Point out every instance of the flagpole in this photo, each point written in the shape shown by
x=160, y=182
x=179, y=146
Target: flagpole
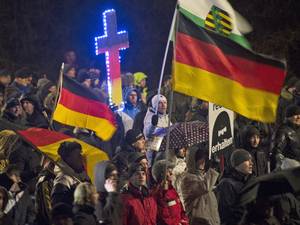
x=58, y=90
x=171, y=98
x=169, y=123
x=166, y=54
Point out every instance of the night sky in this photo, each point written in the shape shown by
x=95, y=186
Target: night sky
x=35, y=33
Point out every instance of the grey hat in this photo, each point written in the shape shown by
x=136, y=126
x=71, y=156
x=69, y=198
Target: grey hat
x=159, y=169
x=239, y=156
x=135, y=167
x=136, y=157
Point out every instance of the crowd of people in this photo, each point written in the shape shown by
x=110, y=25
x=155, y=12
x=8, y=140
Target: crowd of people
x=137, y=185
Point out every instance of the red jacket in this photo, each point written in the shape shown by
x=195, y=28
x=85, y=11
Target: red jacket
x=170, y=209
x=139, y=207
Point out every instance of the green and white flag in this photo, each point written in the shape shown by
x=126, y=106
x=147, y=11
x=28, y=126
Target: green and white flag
x=218, y=16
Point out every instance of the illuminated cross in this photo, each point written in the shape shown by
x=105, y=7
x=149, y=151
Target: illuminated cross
x=110, y=43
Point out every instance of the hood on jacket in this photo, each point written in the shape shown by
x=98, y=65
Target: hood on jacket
x=41, y=82
x=43, y=89
x=127, y=92
x=192, y=153
x=34, y=101
x=63, y=168
x=155, y=100
x=127, y=80
x=138, y=77
x=100, y=172
x=248, y=132
x=159, y=169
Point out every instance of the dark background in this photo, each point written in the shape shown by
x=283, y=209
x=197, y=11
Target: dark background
x=36, y=33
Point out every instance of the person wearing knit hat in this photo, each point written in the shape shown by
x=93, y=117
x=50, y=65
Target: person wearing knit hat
x=287, y=138
x=13, y=102
x=135, y=141
x=230, y=186
x=22, y=81
x=289, y=94
x=139, y=206
x=241, y=160
x=13, y=111
x=138, y=157
x=292, y=113
x=134, y=170
x=170, y=209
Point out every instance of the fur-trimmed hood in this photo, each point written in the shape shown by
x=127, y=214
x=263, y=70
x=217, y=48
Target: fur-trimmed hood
x=159, y=169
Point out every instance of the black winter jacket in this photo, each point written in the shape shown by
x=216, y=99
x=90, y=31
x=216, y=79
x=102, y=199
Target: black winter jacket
x=287, y=141
x=228, y=193
x=84, y=215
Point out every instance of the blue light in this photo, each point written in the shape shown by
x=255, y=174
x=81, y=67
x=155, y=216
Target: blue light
x=106, y=42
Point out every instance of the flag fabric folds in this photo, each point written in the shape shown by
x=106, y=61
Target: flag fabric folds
x=48, y=142
x=210, y=66
x=78, y=106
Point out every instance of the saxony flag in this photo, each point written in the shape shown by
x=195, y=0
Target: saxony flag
x=209, y=65
x=217, y=15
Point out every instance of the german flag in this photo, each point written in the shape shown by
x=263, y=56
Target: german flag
x=211, y=67
x=78, y=106
x=48, y=142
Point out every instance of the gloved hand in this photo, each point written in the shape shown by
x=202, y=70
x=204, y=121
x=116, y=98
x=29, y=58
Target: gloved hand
x=113, y=107
x=154, y=120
